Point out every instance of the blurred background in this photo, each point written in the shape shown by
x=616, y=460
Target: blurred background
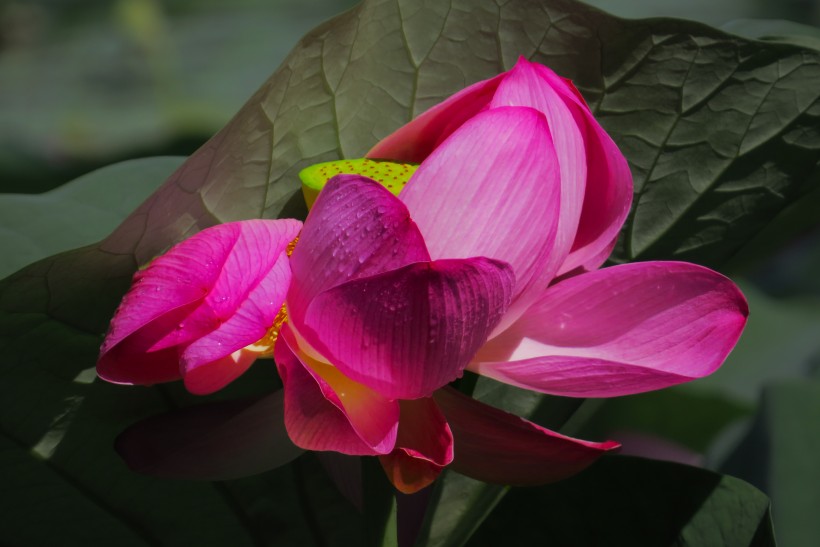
x=86, y=83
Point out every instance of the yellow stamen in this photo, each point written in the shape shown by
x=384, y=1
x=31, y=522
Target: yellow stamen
x=292, y=245
x=264, y=347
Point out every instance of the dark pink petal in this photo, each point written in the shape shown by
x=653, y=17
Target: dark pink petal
x=492, y=189
x=494, y=446
x=621, y=330
x=326, y=411
x=356, y=228
x=214, y=441
x=414, y=141
x=423, y=448
x=524, y=86
x=131, y=360
x=608, y=193
x=193, y=289
x=407, y=332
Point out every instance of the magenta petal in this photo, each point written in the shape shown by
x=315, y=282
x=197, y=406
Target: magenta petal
x=496, y=187
x=524, y=86
x=414, y=141
x=494, y=446
x=207, y=363
x=190, y=291
x=424, y=446
x=608, y=193
x=214, y=441
x=326, y=411
x=621, y=330
x=407, y=332
x=355, y=229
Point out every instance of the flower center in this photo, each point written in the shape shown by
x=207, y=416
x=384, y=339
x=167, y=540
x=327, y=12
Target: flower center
x=391, y=175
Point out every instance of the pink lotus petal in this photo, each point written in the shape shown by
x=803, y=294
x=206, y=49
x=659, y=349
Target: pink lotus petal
x=407, y=332
x=621, y=330
x=193, y=289
x=608, y=193
x=423, y=448
x=214, y=441
x=524, y=86
x=131, y=359
x=414, y=141
x=211, y=376
x=210, y=358
x=326, y=411
x=496, y=185
x=356, y=228
x=494, y=446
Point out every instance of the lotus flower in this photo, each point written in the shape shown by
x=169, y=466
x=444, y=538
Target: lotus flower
x=485, y=261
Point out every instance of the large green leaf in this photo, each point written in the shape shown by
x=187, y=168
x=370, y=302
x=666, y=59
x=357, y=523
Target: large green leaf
x=721, y=134
x=630, y=501
x=779, y=456
x=775, y=30
x=35, y=226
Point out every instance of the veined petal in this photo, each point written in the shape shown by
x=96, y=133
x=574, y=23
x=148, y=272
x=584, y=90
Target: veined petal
x=424, y=446
x=407, y=332
x=608, y=193
x=132, y=359
x=497, y=187
x=214, y=441
x=414, y=141
x=356, y=228
x=193, y=289
x=211, y=375
x=494, y=446
x=524, y=86
x=324, y=410
x=211, y=362
x=621, y=330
